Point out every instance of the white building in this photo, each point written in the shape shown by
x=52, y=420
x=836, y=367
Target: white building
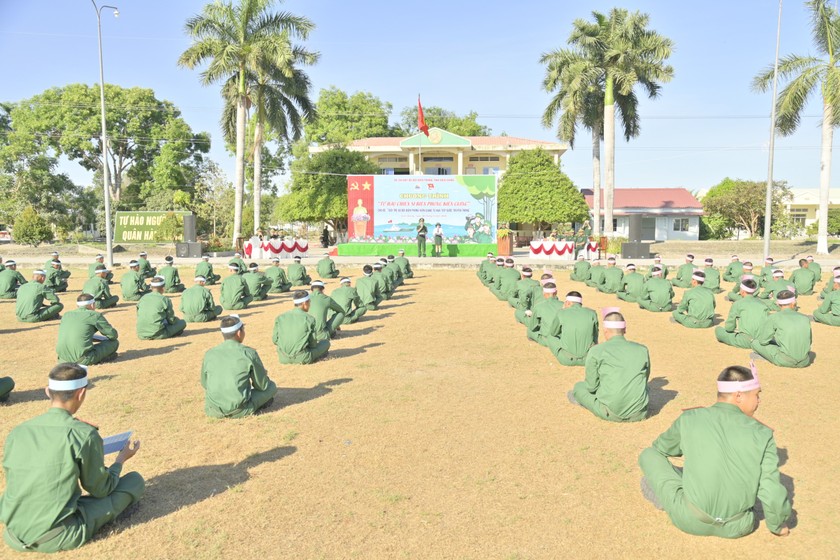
x=666, y=213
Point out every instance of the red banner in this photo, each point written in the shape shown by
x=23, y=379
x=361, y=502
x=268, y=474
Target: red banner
x=360, y=206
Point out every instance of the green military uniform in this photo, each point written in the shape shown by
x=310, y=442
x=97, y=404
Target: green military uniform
x=156, y=318
x=30, y=307
x=543, y=312
x=393, y=274
x=684, y=273
x=730, y=460
x=56, y=281
x=368, y=290
x=295, y=337
x=507, y=280
x=383, y=284
x=327, y=313
x=766, y=274
x=772, y=288
x=243, y=268
x=133, y=287
x=735, y=293
x=98, y=288
x=527, y=297
x=235, y=293
x=616, y=383
x=745, y=320
x=395, y=271
x=733, y=272
x=92, y=271
x=697, y=308
x=612, y=281
x=596, y=276
x=712, y=281
x=405, y=267
x=258, y=285
x=279, y=283
x=493, y=275
x=829, y=312
x=571, y=333
x=75, y=338
x=63, y=274
x=803, y=280
x=785, y=339
x=235, y=381
x=297, y=275
x=816, y=269
x=146, y=269
x=657, y=295
x=326, y=268
x=198, y=306
x=172, y=280
x=205, y=268
x=45, y=460
x=827, y=289
x=664, y=268
x=484, y=269
x=6, y=386
x=10, y=281
x=581, y=271
x=632, y=287
x=351, y=304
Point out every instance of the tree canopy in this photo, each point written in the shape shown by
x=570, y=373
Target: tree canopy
x=535, y=190
x=342, y=118
x=741, y=203
x=442, y=118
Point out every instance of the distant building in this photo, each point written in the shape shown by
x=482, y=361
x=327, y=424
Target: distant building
x=804, y=204
x=444, y=153
x=666, y=214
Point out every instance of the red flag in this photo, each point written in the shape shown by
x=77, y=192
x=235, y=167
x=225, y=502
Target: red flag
x=421, y=120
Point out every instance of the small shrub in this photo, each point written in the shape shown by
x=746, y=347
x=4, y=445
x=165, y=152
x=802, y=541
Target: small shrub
x=31, y=229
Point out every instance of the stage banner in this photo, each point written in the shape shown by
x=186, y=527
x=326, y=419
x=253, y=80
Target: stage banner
x=140, y=227
x=387, y=208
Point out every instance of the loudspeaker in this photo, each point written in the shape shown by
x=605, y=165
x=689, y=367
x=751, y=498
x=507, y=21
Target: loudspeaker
x=189, y=228
x=635, y=250
x=634, y=228
x=188, y=250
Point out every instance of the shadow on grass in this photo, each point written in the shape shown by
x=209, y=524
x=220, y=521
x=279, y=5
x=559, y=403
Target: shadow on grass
x=360, y=332
x=145, y=352
x=789, y=485
x=287, y=396
x=347, y=352
x=658, y=396
x=31, y=395
x=392, y=305
x=172, y=491
x=372, y=317
x=190, y=331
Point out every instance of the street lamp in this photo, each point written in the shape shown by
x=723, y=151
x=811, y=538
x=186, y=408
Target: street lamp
x=768, y=201
x=105, y=179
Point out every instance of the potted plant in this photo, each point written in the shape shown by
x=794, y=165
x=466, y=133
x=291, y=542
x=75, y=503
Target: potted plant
x=505, y=242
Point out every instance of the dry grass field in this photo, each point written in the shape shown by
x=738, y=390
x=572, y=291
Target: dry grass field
x=433, y=430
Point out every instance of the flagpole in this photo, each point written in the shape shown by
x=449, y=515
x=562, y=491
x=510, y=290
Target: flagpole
x=420, y=145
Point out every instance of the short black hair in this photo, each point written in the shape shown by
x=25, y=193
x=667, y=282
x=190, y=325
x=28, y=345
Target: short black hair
x=614, y=316
x=229, y=321
x=574, y=294
x=734, y=373
x=526, y=269
x=549, y=285
x=299, y=294
x=546, y=275
x=785, y=294
x=803, y=262
x=84, y=297
x=367, y=269
x=66, y=372
x=750, y=284
x=701, y=276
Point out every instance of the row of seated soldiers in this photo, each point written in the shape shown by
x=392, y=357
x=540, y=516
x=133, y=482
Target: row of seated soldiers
x=53, y=517
x=717, y=439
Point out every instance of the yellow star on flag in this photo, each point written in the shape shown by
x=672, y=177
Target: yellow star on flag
x=366, y=186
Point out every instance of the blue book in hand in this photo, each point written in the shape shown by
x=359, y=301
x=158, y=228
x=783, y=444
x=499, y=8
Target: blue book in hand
x=113, y=444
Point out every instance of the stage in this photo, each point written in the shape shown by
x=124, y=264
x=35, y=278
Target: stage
x=385, y=249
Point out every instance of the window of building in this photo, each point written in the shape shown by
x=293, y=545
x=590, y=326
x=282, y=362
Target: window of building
x=484, y=158
x=615, y=224
x=438, y=158
x=389, y=159
x=798, y=216
x=680, y=224
x=438, y=171
x=490, y=170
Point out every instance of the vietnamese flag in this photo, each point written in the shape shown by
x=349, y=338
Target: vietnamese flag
x=421, y=120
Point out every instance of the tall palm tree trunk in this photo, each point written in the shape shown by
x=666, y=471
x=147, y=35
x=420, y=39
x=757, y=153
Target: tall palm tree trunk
x=609, y=156
x=825, y=178
x=258, y=142
x=596, y=182
x=239, y=180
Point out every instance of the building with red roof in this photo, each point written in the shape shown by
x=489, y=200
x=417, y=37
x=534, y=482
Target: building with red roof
x=672, y=213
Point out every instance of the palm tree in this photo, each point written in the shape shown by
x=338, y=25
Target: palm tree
x=806, y=73
x=234, y=40
x=626, y=53
x=580, y=99
x=280, y=99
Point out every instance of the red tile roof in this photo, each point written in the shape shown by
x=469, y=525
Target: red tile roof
x=648, y=198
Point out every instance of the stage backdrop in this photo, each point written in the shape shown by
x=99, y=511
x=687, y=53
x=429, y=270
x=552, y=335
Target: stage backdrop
x=383, y=212
x=140, y=226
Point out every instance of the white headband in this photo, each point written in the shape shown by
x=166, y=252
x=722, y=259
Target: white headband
x=158, y=283
x=574, y=299
x=656, y=272
x=69, y=385
x=740, y=386
x=233, y=328
x=316, y=284
x=101, y=270
x=344, y=281
x=581, y=257
x=549, y=290
x=631, y=267
x=528, y=274
x=689, y=258
x=233, y=266
x=200, y=279
x=38, y=272
x=615, y=324
x=748, y=289
x=304, y=299
x=698, y=278
x=85, y=303
x=787, y=301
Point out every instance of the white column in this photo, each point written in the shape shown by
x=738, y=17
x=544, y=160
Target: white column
x=460, y=163
x=411, y=163
x=556, y=159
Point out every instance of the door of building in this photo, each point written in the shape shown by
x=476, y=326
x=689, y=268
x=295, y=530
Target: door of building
x=648, y=229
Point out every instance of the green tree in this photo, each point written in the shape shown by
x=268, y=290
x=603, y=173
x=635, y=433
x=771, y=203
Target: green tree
x=318, y=190
x=342, y=118
x=171, y=228
x=534, y=190
x=807, y=74
x=715, y=226
x=742, y=202
x=31, y=229
x=149, y=145
x=441, y=118
x=576, y=78
x=834, y=221
x=235, y=40
x=625, y=53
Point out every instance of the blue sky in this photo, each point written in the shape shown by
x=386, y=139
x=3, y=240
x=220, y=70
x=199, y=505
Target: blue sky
x=461, y=55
